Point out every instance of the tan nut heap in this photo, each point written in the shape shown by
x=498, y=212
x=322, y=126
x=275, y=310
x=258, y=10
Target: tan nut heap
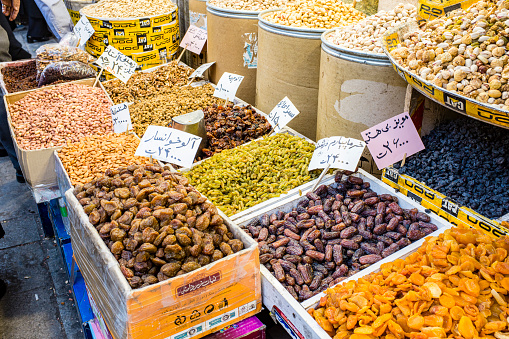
x=128, y=8
x=465, y=53
x=249, y=5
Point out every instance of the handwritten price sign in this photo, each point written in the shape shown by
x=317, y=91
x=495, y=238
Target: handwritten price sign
x=337, y=152
x=194, y=40
x=390, y=140
x=282, y=114
x=121, y=118
x=83, y=30
x=169, y=145
x=117, y=63
x=228, y=85
x=198, y=73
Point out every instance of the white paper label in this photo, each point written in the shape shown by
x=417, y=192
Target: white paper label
x=282, y=114
x=194, y=40
x=338, y=152
x=198, y=73
x=169, y=145
x=83, y=30
x=117, y=63
x=228, y=85
x=121, y=118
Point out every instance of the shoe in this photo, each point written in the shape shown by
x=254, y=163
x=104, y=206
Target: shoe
x=3, y=288
x=20, y=178
x=3, y=153
x=31, y=40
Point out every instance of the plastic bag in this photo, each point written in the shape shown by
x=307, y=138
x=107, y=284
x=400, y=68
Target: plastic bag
x=65, y=70
x=51, y=53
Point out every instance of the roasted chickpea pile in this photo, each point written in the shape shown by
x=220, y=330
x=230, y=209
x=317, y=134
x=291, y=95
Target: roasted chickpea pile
x=455, y=285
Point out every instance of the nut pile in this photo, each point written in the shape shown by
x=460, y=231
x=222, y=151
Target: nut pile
x=454, y=286
x=53, y=116
x=468, y=161
x=128, y=8
x=334, y=233
x=50, y=53
x=250, y=5
x=240, y=178
x=92, y=156
x=365, y=35
x=319, y=14
x=20, y=77
x=156, y=227
x=160, y=108
x=465, y=52
x=229, y=127
x=145, y=84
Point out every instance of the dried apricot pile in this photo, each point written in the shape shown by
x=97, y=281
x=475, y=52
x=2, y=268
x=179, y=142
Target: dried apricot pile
x=454, y=285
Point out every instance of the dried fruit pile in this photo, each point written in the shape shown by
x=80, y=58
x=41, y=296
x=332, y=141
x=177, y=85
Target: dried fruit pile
x=156, y=225
x=232, y=126
x=454, y=286
x=21, y=77
x=334, y=233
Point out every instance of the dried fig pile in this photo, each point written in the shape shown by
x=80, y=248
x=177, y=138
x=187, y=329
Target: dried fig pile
x=156, y=225
x=333, y=233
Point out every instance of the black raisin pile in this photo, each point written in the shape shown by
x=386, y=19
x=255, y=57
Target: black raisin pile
x=468, y=161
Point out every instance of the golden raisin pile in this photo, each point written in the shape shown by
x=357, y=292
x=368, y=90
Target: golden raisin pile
x=456, y=285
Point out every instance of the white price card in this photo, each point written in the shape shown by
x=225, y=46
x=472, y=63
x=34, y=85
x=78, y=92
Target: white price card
x=117, y=63
x=121, y=118
x=198, y=73
x=282, y=114
x=389, y=141
x=228, y=85
x=194, y=40
x=169, y=145
x=83, y=30
x=337, y=152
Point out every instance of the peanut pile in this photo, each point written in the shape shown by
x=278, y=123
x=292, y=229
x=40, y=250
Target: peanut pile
x=53, y=116
x=92, y=156
x=454, y=286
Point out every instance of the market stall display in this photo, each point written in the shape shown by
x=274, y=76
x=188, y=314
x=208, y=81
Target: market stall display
x=240, y=178
x=294, y=71
x=231, y=126
x=150, y=200
x=198, y=17
x=43, y=120
x=89, y=158
x=160, y=108
x=358, y=87
x=333, y=233
x=458, y=60
x=147, y=31
x=456, y=280
x=145, y=84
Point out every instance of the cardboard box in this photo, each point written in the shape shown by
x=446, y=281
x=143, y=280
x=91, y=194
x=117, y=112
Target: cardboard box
x=188, y=306
x=250, y=328
x=38, y=166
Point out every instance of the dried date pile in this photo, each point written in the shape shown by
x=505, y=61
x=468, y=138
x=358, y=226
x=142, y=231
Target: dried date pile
x=157, y=227
x=21, y=77
x=231, y=126
x=334, y=233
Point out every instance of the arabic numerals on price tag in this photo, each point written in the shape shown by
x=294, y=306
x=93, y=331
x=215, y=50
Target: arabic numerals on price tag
x=169, y=145
x=228, y=85
x=198, y=73
x=389, y=141
x=282, y=114
x=117, y=63
x=83, y=30
x=337, y=152
x=121, y=118
x=194, y=39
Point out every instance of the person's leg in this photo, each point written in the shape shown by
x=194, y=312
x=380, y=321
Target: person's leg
x=15, y=49
x=6, y=140
x=37, y=27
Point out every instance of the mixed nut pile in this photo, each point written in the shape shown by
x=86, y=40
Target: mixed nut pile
x=365, y=35
x=250, y=5
x=240, y=178
x=156, y=225
x=334, y=233
x=464, y=52
x=231, y=126
x=128, y=8
x=455, y=285
x=318, y=14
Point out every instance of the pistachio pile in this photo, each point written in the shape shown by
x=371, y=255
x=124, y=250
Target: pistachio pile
x=465, y=52
x=365, y=35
